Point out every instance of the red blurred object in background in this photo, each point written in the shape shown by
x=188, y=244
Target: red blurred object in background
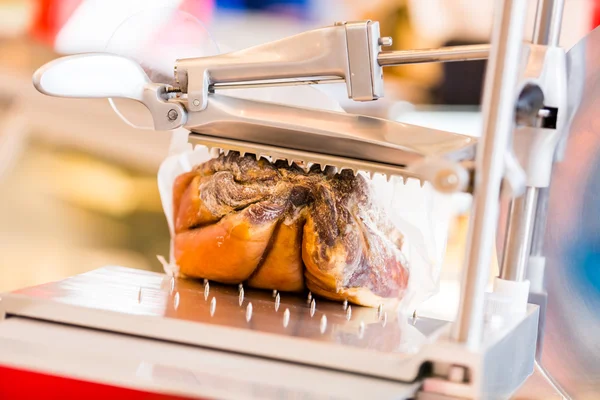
x=51, y=15
x=596, y=14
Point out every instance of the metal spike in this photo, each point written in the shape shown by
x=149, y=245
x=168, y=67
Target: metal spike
x=371, y=174
x=249, y=312
x=206, y=290
x=421, y=182
x=172, y=285
x=226, y=152
x=384, y=321
x=354, y=171
x=213, y=306
x=323, y=324
x=379, y=311
x=241, y=297
x=309, y=297
x=274, y=292
x=140, y=295
x=322, y=166
x=349, y=313
x=242, y=153
x=361, y=330
x=176, y=301
x=290, y=162
x=277, y=300
x=345, y=304
x=286, y=317
x=257, y=156
x=313, y=307
x=388, y=177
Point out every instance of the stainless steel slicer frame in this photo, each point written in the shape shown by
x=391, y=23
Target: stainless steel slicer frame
x=520, y=99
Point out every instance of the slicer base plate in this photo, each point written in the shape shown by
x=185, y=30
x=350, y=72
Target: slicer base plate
x=155, y=306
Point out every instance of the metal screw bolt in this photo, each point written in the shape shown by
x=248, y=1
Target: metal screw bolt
x=172, y=114
x=385, y=41
x=196, y=102
x=447, y=180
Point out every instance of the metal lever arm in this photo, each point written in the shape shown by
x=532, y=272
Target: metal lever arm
x=98, y=75
x=347, y=51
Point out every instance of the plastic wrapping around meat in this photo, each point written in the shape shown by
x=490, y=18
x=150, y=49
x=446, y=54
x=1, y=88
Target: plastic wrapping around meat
x=268, y=225
x=274, y=226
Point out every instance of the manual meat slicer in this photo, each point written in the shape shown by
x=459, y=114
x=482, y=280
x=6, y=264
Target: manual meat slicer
x=202, y=339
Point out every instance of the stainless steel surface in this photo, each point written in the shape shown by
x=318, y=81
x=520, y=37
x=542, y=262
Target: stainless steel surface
x=365, y=74
x=105, y=302
x=107, y=299
x=173, y=369
x=548, y=22
x=324, y=137
x=444, y=54
x=498, y=112
x=518, y=236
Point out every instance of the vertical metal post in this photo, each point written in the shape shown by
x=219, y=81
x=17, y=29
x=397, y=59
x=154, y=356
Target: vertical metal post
x=527, y=214
x=518, y=236
x=548, y=21
x=498, y=116
x=552, y=38
x=539, y=229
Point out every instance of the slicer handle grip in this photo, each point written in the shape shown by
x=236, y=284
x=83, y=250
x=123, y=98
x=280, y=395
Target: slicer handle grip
x=92, y=75
x=100, y=75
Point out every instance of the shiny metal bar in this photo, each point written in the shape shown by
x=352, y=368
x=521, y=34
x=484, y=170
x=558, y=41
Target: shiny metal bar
x=548, y=22
x=276, y=83
x=539, y=228
x=518, y=236
x=443, y=54
x=551, y=39
x=498, y=112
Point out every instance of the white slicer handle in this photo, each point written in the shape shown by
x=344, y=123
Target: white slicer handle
x=94, y=75
x=101, y=75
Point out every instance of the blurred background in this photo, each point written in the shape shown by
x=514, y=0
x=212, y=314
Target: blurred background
x=78, y=186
